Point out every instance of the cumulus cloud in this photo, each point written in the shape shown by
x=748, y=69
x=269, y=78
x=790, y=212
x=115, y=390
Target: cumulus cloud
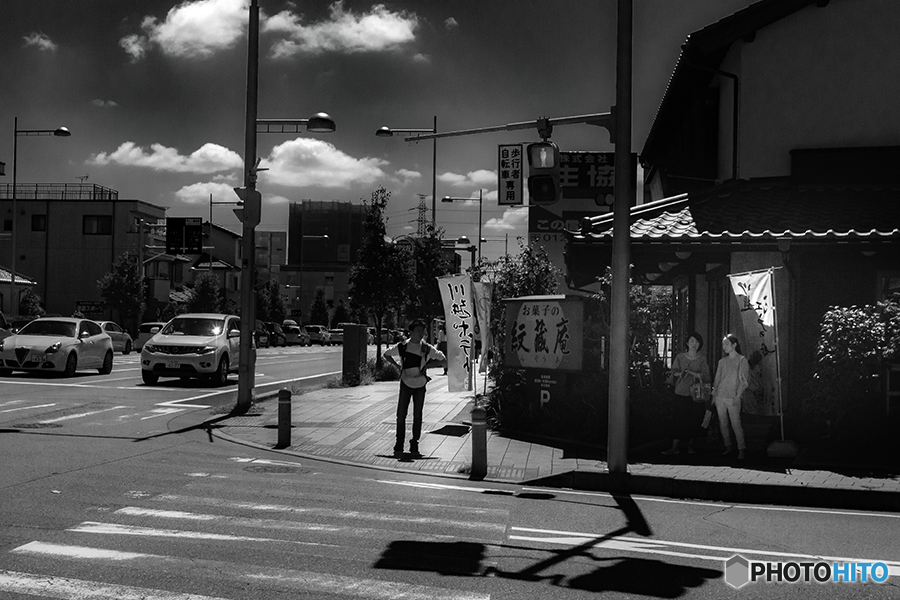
x=195, y=29
x=407, y=174
x=209, y=158
x=198, y=193
x=479, y=178
x=40, y=41
x=104, y=103
x=451, y=23
x=345, y=31
x=306, y=162
x=511, y=219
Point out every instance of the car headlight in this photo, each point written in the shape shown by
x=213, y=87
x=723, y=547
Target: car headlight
x=150, y=348
x=52, y=349
x=206, y=350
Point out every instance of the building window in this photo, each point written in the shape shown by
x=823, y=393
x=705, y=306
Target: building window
x=39, y=222
x=97, y=225
x=7, y=224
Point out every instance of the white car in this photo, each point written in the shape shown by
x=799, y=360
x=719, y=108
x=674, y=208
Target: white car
x=121, y=339
x=147, y=331
x=198, y=345
x=60, y=344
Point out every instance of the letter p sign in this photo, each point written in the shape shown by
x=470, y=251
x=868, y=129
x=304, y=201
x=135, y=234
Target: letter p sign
x=545, y=397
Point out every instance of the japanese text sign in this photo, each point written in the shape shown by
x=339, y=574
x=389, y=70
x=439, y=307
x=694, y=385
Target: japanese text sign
x=509, y=185
x=459, y=315
x=544, y=332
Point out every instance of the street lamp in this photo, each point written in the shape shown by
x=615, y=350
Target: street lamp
x=58, y=132
x=389, y=132
x=318, y=123
x=480, y=203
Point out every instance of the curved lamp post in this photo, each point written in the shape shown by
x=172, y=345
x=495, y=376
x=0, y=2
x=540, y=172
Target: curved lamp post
x=390, y=131
x=480, y=199
x=58, y=132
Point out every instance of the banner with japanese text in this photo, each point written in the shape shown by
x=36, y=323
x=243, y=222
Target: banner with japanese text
x=459, y=315
x=483, y=292
x=755, y=293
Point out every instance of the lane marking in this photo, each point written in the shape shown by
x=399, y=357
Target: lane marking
x=26, y=407
x=264, y=461
x=7, y=403
x=441, y=486
x=161, y=412
x=68, y=588
x=79, y=415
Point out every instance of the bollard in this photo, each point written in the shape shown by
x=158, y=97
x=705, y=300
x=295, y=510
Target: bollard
x=479, y=443
x=284, y=418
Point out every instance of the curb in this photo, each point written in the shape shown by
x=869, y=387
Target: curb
x=721, y=491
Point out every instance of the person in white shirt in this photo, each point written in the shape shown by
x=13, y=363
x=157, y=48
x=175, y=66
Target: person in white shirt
x=415, y=355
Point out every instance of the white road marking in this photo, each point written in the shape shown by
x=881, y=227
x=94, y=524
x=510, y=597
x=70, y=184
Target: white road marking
x=27, y=407
x=11, y=402
x=161, y=412
x=441, y=486
x=309, y=582
x=79, y=415
x=651, y=545
x=68, y=588
x=821, y=511
x=265, y=461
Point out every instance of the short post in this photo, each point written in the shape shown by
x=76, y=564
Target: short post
x=479, y=443
x=284, y=418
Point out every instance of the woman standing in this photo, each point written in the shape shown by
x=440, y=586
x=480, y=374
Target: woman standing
x=688, y=368
x=732, y=378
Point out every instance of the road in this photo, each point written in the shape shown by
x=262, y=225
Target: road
x=96, y=508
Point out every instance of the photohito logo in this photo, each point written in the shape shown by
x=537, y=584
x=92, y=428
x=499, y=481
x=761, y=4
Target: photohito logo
x=739, y=571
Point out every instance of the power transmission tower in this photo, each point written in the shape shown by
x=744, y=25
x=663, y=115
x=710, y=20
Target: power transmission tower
x=422, y=220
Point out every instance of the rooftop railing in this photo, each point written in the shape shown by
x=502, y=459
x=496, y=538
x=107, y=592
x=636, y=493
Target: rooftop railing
x=58, y=191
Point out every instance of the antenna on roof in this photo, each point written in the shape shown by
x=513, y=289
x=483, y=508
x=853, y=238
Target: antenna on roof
x=83, y=178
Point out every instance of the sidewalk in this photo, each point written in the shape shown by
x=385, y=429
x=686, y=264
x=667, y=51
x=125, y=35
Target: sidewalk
x=356, y=426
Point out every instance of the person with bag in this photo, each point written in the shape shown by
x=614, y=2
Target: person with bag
x=689, y=370
x=415, y=356
x=732, y=378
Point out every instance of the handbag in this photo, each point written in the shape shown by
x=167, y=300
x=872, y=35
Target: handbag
x=700, y=392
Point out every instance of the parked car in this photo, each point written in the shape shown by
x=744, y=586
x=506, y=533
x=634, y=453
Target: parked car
x=147, y=331
x=62, y=344
x=290, y=323
x=5, y=327
x=276, y=334
x=337, y=336
x=193, y=345
x=318, y=335
x=18, y=324
x=261, y=335
x=296, y=336
x=121, y=339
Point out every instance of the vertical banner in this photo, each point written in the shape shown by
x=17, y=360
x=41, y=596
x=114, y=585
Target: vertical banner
x=459, y=314
x=509, y=175
x=483, y=293
x=755, y=293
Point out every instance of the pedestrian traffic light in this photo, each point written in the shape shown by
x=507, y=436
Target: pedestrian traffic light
x=543, y=173
x=251, y=206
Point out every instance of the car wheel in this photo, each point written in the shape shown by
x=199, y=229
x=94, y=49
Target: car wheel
x=106, y=369
x=220, y=377
x=71, y=365
x=127, y=347
x=149, y=377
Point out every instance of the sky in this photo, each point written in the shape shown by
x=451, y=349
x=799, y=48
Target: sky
x=154, y=94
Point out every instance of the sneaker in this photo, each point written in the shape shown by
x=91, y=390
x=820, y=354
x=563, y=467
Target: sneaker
x=398, y=452
x=414, y=449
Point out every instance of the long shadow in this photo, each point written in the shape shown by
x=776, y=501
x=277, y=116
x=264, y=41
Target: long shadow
x=444, y=558
x=643, y=577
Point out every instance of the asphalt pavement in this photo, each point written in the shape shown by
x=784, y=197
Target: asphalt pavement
x=356, y=425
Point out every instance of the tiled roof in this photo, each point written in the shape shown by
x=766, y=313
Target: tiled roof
x=20, y=279
x=202, y=264
x=762, y=211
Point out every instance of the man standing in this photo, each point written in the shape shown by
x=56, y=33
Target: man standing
x=415, y=356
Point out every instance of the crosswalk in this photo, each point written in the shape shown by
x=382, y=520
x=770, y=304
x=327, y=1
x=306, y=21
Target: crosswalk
x=226, y=536
x=30, y=414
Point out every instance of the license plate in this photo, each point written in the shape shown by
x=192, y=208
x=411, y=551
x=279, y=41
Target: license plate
x=38, y=357
x=172, y=364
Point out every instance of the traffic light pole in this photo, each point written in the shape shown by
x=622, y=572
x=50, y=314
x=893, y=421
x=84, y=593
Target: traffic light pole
x=599, y=119
x=246, y=360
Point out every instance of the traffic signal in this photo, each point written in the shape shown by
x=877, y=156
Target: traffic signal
x=543, y=173
x=251, y=206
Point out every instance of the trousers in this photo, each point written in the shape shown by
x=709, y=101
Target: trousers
x=417, y=395
x=730, y=409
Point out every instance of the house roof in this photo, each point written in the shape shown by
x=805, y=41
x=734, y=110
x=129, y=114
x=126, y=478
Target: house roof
x=20, y=279
x=760, y=211
x=203, y=264
x=704, y=51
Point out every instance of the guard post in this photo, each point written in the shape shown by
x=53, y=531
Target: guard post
x=284, y=418
x=479, y=443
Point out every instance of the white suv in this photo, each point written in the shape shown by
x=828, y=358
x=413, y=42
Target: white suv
x=199, y=345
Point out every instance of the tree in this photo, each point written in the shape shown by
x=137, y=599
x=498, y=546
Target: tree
x=121, y=289
x=30, y=304
x=340, y=315
x=423, y=296
x=277, y=309
x=379, y=278
x=205, y=296
x=318, y=311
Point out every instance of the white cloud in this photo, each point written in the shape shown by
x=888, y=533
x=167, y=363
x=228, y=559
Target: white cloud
x=310, y=162
x=192, y=29
x=209, y=158
x=407, y=174
x=198, y=193
x=479, y=178
x=421, y=58
x=40, y=41
x=104, y=103
x=378, y=30
x=451, y=23
x=512, y=219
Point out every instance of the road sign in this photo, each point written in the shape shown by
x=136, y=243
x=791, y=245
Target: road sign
x=509, y=188
x=184, y=235
x=90, y=307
